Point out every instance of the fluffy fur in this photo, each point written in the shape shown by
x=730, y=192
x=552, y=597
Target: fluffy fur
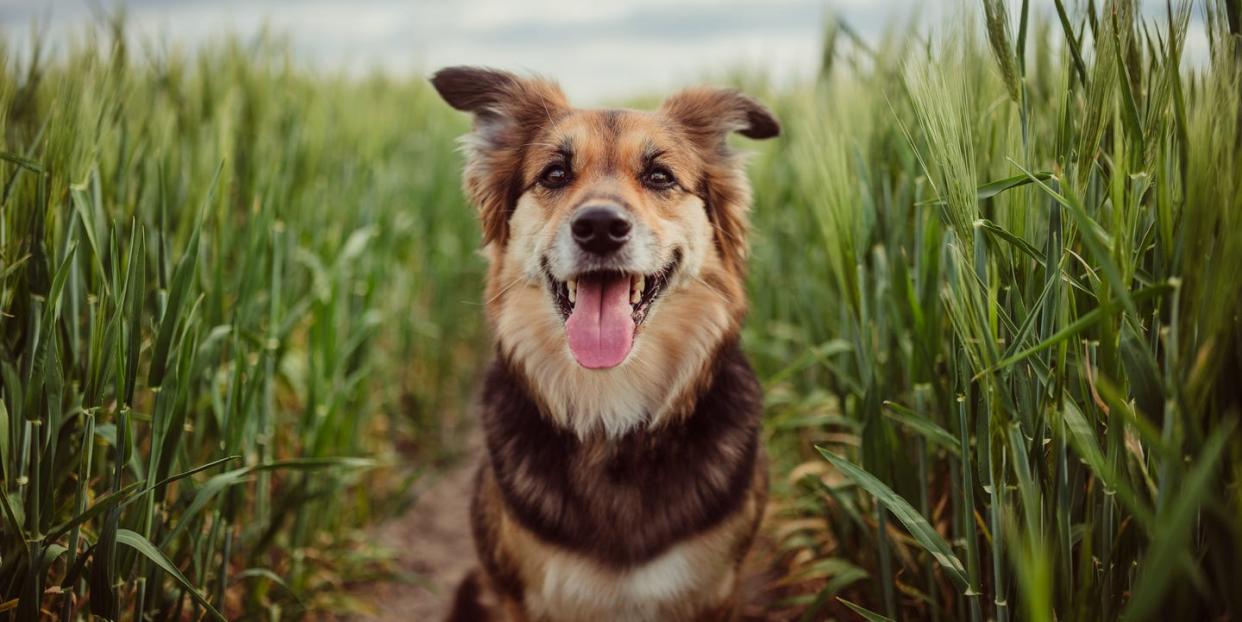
x=629, y=493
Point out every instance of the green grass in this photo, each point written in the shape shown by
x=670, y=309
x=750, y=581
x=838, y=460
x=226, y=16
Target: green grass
x=994, y=302
x=1018, y=267
x=228, y=288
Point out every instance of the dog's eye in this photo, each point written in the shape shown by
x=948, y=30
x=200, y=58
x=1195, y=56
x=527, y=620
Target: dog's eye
x=659, y=178
x=555, y=176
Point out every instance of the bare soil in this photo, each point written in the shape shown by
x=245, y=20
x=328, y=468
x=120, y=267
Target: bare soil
x=432, y=542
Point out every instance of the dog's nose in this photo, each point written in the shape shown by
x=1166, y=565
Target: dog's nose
x=600, y=230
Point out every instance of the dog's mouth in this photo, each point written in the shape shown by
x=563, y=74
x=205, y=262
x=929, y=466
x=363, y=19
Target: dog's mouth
x=603, y=309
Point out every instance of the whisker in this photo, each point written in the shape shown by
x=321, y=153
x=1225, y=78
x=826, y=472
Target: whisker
x=505, y=289
x=713, y=289
x=546, y=110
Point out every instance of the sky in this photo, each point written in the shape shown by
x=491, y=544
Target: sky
x=598, y=51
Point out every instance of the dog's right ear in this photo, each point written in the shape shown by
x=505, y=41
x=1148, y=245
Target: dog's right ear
x=709, y=114
x=507, y=110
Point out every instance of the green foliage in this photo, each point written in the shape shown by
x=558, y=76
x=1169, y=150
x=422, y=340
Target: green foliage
x=227, y=287
x=994, y=279
x=1033, y=253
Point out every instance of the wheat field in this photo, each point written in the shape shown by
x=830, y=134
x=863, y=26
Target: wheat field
x=996, y=286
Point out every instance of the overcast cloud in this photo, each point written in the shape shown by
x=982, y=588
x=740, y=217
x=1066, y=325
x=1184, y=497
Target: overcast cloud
x=597, y=50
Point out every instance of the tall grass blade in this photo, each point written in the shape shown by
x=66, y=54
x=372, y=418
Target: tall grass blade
x=923, y=532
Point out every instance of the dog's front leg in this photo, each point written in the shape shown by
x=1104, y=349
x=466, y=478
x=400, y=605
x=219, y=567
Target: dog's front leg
x=476, y=601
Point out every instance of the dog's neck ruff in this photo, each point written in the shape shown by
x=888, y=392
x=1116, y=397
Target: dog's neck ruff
x=625, y=500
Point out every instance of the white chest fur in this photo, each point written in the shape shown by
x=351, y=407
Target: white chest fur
x=576, y=588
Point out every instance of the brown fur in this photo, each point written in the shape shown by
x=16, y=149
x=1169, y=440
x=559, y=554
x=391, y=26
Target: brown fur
x=632, y=492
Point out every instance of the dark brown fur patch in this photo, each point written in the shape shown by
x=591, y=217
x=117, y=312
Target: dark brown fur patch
x=485, y=522
x=625, y=501
x=467, y=605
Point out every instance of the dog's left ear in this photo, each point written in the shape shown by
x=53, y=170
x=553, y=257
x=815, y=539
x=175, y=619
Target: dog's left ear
x=707, y=116
x=711, y=114
x=508, y=110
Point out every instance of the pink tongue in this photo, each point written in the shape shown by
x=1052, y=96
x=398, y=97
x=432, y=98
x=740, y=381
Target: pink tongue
x=601, y=327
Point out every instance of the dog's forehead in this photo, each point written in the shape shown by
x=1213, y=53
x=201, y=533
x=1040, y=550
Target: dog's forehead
x=617, y=131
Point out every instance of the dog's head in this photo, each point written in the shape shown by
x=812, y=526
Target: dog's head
x=617, y=238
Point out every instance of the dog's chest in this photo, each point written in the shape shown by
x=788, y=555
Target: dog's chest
x=649, y=526
x=626, y=502
x=696, y=573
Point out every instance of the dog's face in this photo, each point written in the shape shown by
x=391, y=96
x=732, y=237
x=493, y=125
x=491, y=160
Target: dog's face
x=616, y=237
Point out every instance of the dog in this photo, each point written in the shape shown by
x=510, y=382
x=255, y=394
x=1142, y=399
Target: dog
x=624, y=476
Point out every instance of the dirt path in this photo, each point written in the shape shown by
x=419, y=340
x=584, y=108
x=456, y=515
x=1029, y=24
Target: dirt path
x=432, y=541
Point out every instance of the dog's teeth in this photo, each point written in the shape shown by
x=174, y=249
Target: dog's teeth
x=637, y=286
x=572, y=286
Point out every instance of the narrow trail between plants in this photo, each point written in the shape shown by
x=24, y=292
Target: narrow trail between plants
x=431, y=542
